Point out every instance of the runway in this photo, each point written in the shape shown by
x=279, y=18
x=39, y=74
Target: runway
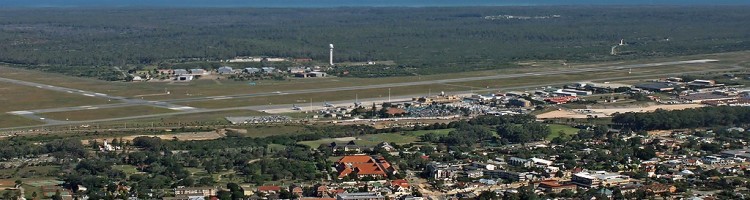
x=189, y=110
x=170, y=104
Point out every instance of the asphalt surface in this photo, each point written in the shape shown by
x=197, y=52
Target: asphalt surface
x=189, y=110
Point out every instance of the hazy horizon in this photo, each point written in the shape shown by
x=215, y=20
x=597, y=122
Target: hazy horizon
x=348, y=3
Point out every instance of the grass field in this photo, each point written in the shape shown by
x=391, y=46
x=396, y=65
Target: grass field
x=9, y=120
x=374, y=139
x=555, y=130
x=18, y=97
x=127, y=169
x=104, y=113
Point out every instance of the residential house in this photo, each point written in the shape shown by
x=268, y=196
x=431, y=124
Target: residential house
x=400, y=186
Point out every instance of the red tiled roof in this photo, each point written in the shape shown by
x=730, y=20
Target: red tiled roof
x=356, y=159
x=401, y=183
x=269, y=188
x=362, y=165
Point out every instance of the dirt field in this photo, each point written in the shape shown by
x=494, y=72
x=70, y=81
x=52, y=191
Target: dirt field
x=609, y=111
x=179, y=136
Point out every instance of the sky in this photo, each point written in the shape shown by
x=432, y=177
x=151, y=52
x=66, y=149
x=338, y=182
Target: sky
x=347, y=3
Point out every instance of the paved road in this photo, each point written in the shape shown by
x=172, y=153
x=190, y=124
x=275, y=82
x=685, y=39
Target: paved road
x=170, y=103
x=338, y=103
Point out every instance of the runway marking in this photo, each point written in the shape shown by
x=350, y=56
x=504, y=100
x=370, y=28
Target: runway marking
x=22, y=112
x=220, y=97
x=89, y=95
x=182, y=108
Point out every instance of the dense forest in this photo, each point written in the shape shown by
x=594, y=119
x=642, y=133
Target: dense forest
x=689, y=118
x=88, y=42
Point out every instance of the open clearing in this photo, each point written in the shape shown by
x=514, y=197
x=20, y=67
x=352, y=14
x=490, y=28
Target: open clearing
x=609, y=111
x=104, y=113
x=556, y=129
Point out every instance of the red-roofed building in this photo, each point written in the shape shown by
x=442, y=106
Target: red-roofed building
x=269, y=189
x=363, y=165
x=297, y=190
x=400, y=186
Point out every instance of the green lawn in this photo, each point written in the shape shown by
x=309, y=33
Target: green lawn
x=555, y=130
x=128, y=169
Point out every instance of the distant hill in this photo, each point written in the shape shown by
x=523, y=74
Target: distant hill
x=347, y=3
